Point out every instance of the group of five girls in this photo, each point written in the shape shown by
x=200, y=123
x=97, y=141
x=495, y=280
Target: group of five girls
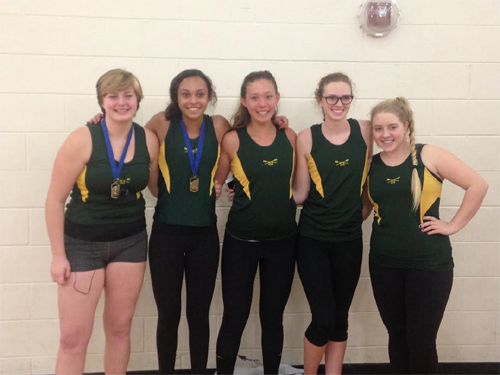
x=183, y=155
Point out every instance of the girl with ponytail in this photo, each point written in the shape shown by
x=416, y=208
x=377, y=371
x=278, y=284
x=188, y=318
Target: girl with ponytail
x=411, y=265
x=260, y=229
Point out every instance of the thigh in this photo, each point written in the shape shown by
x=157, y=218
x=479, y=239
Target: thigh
x=426, y=299
x=276, y=270
x=202, y=261
x=166, y=262
x=123, y=283
x=316, y=275
x=389, y=291
x=345, y=262
x=238, y=269
x=77, y=305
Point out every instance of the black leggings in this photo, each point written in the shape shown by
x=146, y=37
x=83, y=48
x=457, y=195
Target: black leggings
x=411, y=304
x=173, y=251
x=329, y=272
x=276, y=263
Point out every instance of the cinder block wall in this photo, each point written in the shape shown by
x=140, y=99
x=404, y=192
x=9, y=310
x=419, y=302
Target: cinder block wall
x=445, y=56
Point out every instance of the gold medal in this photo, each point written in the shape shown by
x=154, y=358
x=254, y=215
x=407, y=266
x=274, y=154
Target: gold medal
x=194, y=184
x=115, y=190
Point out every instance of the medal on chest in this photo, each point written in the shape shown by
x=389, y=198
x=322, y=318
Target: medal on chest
x=194, y=158
x=116, y=170
x=115, y=190
x=194, y=184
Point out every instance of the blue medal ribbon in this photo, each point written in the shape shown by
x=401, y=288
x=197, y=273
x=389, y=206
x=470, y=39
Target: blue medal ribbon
x=194, y=161
x=114, y=168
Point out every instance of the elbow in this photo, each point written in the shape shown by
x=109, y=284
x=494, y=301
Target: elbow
x=485, y=187
x=153, y=191
x=52, y=203
x=481, y=187
x=298, y=201
x=366, y=212
x=298, y=197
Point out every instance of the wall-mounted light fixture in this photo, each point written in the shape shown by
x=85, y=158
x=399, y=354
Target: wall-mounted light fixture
x=379, y=17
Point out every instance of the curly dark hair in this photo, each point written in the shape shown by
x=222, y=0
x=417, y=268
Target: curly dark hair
x=173, y=111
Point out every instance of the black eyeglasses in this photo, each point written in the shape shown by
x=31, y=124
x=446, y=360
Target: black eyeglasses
x=333, y=99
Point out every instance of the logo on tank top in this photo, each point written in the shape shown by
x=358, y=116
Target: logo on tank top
x=270, y=163
x=342, y=163
x=195, y=150
x=392, y=181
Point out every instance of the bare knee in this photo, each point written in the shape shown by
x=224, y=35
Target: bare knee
x=118, y=329
x=75, y=341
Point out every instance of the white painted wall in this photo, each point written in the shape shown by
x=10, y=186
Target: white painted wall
x=445, y=57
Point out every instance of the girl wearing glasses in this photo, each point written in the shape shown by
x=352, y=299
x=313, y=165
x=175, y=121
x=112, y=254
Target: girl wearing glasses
x=333, y=159
x=411, y=265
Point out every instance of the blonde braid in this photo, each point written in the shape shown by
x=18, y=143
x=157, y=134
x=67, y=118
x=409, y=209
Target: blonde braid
x=416, y=185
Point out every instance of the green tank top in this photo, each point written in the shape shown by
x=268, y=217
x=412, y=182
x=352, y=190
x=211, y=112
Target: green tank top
x=91, y=201
x=333, y=209
x=263, y=206
x=176, y=203
x=396, y=239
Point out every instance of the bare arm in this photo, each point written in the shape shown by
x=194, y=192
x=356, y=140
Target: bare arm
x=152, y=143
x=448, y=166
x=292, y=137
x=221, y=126
x=229, y=147
x=367, y=133
x=69, y=163
x=302, y=181
x=159, y=126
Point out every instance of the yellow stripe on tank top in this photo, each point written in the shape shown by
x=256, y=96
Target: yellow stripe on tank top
x=365, y=172
x=80, y=182
x=214, y=170
x=315, y=176
x=162, y=162
x=240, y=175
x=431, y=191
x=375, y=205
x=291, y=176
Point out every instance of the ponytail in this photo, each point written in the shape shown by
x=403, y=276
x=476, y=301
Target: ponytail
x=401, y=108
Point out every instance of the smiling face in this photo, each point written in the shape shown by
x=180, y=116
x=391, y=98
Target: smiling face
x=120, y=106
x=261, y=100
x=337, y=111
x=193, y=97
x=388, y=131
